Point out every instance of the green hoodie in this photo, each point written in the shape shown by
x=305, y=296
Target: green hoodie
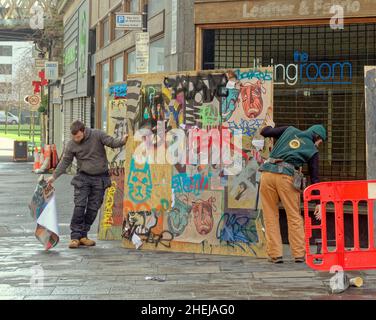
x=295, y=147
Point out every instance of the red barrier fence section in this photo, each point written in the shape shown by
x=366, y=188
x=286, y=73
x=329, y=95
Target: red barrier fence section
x=338, y=194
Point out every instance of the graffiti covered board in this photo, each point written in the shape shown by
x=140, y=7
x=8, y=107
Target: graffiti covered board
x=111, y=220
x=188, y=205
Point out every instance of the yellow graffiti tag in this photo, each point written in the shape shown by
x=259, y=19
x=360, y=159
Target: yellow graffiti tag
x=107, y=219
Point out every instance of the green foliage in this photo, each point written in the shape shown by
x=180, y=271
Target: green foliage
x=43, y=105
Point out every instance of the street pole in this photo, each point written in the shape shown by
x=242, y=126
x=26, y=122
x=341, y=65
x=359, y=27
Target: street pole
x=145, y=18
x=19, y=112
x=30, y=125
x=33, y=125
x=42, y=119
x=48, y=100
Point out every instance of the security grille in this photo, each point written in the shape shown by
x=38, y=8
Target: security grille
x=340, y=107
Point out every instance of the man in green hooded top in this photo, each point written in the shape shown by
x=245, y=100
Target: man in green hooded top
x=293, y=149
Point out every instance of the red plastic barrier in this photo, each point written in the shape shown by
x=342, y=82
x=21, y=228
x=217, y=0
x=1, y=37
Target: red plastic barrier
x=339, y=193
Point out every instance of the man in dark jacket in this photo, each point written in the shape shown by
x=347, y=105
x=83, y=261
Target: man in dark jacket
x=292, y=150
x=92, y=179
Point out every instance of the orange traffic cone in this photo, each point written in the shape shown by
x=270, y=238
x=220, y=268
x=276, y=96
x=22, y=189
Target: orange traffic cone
x=36, y=159
x=54, y=157
x=47, y=157
x=41, y=156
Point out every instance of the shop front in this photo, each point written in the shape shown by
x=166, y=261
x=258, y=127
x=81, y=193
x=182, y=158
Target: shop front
x=77, y=89
x=318, y=70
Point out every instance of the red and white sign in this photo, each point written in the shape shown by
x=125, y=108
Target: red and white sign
x=34, y=100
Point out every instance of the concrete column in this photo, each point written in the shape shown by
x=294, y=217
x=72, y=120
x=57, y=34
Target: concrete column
x=370, y=83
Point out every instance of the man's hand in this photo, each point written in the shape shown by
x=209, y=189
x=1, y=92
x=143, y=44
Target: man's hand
x=50, y=181
x=318, y=212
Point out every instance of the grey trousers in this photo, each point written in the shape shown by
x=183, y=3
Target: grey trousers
x=89, y=192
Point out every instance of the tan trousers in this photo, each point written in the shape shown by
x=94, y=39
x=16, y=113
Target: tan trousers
x=275, y=187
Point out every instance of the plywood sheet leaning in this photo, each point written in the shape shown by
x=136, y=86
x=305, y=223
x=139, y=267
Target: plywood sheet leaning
x=191, y=207
x=111, y=217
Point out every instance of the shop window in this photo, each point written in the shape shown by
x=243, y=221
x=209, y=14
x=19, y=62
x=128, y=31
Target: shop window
x=118, y=67
x=155, y=6
x=5, y=51
x=132, y=62
x=5, y=88
x=106, y=32
x=157, y=56
x=5, y=69
x=105, y=82
x=135, y=6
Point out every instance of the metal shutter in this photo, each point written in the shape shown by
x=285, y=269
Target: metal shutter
x=68, y=110
x=339, y=107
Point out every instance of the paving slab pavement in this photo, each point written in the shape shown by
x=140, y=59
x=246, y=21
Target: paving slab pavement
x=110, y=272
x=6, y=149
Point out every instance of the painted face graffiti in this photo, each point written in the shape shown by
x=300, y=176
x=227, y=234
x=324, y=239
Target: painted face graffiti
x=178, y=217
x=229, y=104
x=203, y=215
x=139, y=181
x=251, y=97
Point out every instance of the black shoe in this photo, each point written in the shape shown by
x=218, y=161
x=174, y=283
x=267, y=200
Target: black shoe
x=300, y=260
x=278, y=260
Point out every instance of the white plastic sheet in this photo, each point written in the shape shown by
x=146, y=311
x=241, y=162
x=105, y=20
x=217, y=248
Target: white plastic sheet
x=43, y=210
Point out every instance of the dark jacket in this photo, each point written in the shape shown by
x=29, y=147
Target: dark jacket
x=90, y=153
x=313, y=163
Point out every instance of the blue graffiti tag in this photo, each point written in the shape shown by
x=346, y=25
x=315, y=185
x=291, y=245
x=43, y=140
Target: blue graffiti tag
x=235, y=229
x=182, y=183
x=255, y=74
x=118, y=91
x=248, y=127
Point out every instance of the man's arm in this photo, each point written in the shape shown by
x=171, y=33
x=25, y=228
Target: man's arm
x=270, y=132
x=65, y=162
x=111, y=142
x=313, y=166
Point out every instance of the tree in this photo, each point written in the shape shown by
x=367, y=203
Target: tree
x=6, y=91
x=49, y=43
x=25, y=73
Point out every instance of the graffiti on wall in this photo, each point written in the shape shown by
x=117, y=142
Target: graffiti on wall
x=112, y=215
x=190, y=206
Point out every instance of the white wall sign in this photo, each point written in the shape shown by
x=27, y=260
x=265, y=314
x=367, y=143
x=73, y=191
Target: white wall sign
x=52, y=70
x=40, y=63
x=129, y=21
x=142, y=52
x=34, y=102
x=174, y=26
